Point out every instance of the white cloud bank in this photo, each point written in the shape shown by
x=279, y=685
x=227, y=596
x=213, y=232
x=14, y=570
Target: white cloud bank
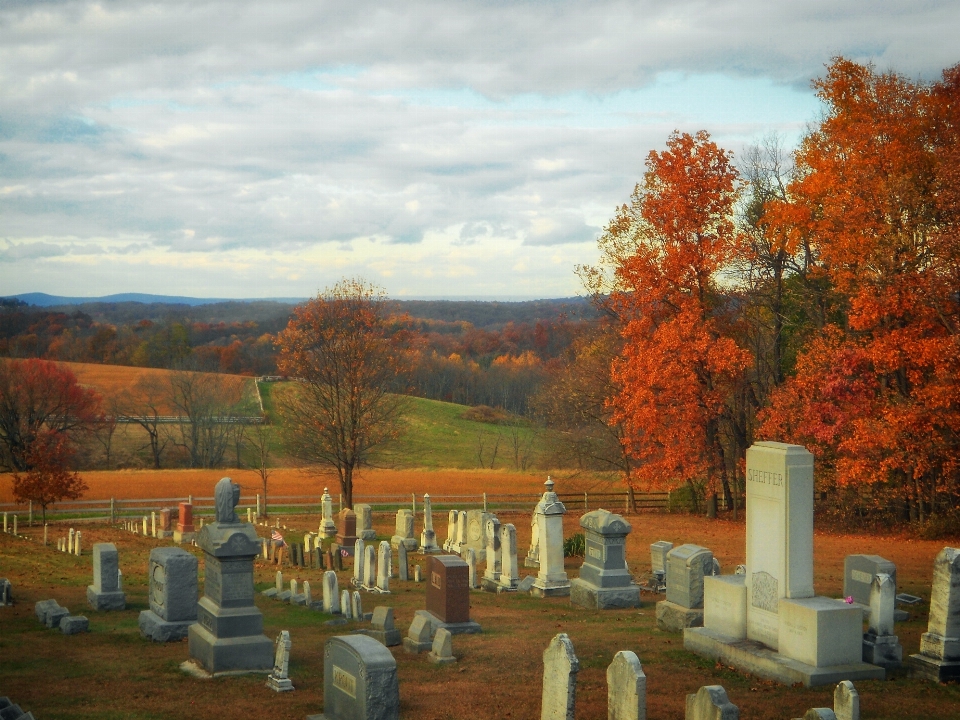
x=436, y=148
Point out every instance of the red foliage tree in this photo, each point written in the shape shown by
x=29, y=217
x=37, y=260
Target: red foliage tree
x=48, y=480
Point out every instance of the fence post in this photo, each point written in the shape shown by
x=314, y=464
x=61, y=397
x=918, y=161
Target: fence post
x=339, y=504
x=414, y=496
x=31, y=514
x=113, y=510
x=484, y=502
x=585, y=501
x=258, y=506
x=190, y=499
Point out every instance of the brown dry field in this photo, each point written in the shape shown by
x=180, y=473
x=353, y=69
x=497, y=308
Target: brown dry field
x=113, y=673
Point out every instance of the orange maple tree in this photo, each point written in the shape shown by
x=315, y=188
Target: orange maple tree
x=669, y=250
x=48, y=480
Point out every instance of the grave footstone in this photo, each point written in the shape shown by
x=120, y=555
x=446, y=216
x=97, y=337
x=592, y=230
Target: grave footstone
x=382, y=627
x=420, y=636
x=880, y=645
x=939, y=656
x=441, y=652
x=185, y=531
x=105, y=593
x=711, y=703
x=428, y=538
x=359, y=680
x=560, y=668
x=626, y=688
x=552, y=579
x=42, y=607
x=328, y=528
x=687, y=566
x=279, y=679
x=448, y=595
x=347, y=537
x=74, y=624
x=403, y=531
x=604, y=582
x=846, y=701
x=228, y=635
x=172, y=574
x=365, y=522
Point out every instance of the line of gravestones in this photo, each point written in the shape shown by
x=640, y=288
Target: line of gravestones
x=778, y=474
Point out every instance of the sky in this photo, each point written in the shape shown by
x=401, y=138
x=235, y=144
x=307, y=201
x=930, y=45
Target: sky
x=435, y=149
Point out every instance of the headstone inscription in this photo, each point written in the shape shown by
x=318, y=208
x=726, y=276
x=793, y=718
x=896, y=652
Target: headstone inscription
x=687, y=566
x=279, y=679
x=228, y=636
x=604, y=582
x=560, y=668
x=711, y=703
x=173, y=595
x=185, y=531
x=552, y=579
x=448, y=595
x=939, y=656
x=105, y=593
x=428, y=538
x=328, y=528
x=359, y=680
x=365, y=522
x=626, y=688
x=347, y=537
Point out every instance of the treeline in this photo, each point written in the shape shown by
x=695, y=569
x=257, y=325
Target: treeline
x=812, y=299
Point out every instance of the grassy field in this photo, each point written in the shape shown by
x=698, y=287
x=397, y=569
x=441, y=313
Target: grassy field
x=113, y=673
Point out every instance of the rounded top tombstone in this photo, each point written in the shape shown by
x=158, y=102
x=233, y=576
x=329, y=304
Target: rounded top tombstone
x=227, y=495
x=604, y=522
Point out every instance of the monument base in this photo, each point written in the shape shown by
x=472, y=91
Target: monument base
x=183, y=537
x=415, y=648
x=592, y=597
x=100, y=601
x=388, y=638
x=411, y=544
x=463, y=628
x=495, y=586
x=531, y=563
x=251, y=653
x=159, y=630
x=929, y=668
x=164, y=534
x=437, y=660
x=676, y=618
x=884, y=650
x=550, y=588
x=759, y=660
x=279, y=684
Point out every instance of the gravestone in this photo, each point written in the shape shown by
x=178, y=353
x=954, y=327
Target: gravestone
x=228, y=635
x=345, y=605
x=337, y=555
x=452, y=517
x=359, y=680
x=477, y=537
x=331, y=592
x=448, y=595
x=172, y=574
x=687, y=566
x=279, y=679
x=471, y=559
x=626, y=688
x=791, y=636
x=509, y=565
x=880, y=645
x=384, y=561
x=428, y=538
x=939, y=656
x=560, y=668
x=328, y=528
x=604, y=582
x=296, y=597
x=166, y=524
x=6, y=592
x=369, y=568
x=365, y=522
x=459, y=543
x=358, y=556
x=185, y=531
x=858, y=574
x=403, y=531
x=382, y=627
x=417, y=577
x=307, y=594
x=846, y=701
x=347, y=537
x=711, y=703
x=552, y=579
x=491, y=576
x=402, y=564
x=532, y=560
x=105, y=593
x=658, y=558
x=356, y=606
x=419, y=637
x=441, y=652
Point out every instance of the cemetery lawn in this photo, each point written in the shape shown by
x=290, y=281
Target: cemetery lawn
x=112, y=673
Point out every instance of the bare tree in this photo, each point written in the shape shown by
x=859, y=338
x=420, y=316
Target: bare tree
x=258, y=440
x=206, y=408
x=144, y=405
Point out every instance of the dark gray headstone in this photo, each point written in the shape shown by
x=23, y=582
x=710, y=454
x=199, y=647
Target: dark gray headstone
x=173, y=595
x=687, y=565
x=105, y=593
x=858, y=573
x=73, y=624
x=359, y=680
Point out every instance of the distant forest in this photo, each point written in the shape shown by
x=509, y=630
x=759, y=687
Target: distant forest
x=469, y=352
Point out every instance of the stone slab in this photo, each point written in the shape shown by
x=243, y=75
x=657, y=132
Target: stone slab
x=590, y=596
x=928, y=668
x=725, y=605
x=526, y=584
x=821, y=631
x=752, y=657
x=455, y=628
x=155, y=628
x=674, y=618
x=73, y=624
x=105, y=601
x=246, y=654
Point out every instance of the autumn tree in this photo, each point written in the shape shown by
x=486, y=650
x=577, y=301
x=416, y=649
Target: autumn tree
x=146, y=405
x=38, y=397
x=206, y=407
x=669, y=251
x=259, y=439
x=342, y=347
x=48, y=479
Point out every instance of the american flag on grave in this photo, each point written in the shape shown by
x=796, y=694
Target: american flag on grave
x=277, y=537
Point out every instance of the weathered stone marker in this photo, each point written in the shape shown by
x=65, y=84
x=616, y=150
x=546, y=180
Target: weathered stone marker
x=428, y=538
x=711, y=703
x=228, y=636
x=626, y=688
x=359, y=680
x=687, y=566
x=441, y=652
x=880, y=645
x=658, y=557
x=279, y=679
x=846, y=701
x=173, y=595
x=328, y=528
x=552, y=579
x=331, y=592
x=384, y=561
x=365, y=522
x=358, y=553
x=604, y=582
x=939, y=656
x=403, y=532
x=560, y=668
x=382, y=627
x=509, y=566
x=420, y=636
x=105, y=593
